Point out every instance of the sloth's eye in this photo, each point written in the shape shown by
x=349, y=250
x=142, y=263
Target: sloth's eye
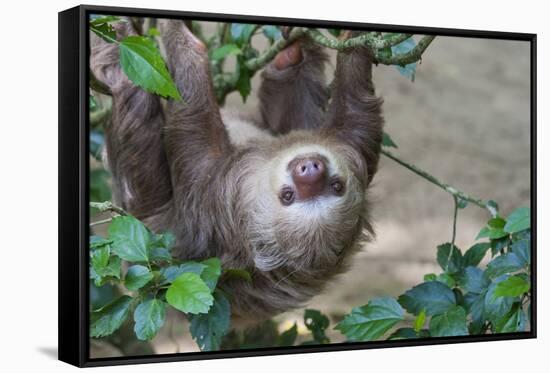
x=287, y=197
x=337, y=186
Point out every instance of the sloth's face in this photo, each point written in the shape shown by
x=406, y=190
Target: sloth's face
x=309, y=208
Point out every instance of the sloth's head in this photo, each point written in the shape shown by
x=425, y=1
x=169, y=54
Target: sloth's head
x=307, y=203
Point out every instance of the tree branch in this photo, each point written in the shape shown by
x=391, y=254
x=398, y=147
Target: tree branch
x=108, y=206
x=411, y=56
x=488, y=205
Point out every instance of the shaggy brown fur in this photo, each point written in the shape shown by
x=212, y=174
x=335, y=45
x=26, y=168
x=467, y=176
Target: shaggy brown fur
x=180, y=169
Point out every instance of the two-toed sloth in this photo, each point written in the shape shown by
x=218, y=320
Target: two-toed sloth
x=284, y=199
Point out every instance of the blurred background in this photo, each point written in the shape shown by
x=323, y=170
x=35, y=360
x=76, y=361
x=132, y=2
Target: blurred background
x=466, y=120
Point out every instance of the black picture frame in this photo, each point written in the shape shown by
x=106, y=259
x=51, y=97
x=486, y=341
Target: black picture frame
x=74, y=178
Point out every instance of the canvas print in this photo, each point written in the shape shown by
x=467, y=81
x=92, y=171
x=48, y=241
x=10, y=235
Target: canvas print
x=272, y=186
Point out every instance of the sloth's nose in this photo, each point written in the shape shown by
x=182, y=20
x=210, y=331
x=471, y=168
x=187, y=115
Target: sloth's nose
x=309, y=175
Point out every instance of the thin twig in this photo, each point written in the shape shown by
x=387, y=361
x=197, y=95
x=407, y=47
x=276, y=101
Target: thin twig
x=257, y=63
x=108, y=206
x=446, y=187
x=411, y=56
x=451, y=250
x=99, y=222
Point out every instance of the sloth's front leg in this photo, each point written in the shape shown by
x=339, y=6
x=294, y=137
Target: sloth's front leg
x=293, y=94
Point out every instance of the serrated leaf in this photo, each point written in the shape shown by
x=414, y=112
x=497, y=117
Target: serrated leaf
x=97, y=241
x=224, y=51
x=522, y=249
x=408, y=71
x=137, y=277
x=495, y=308
x=371, y=321
x=288, y=337
x=149, y=317
x=518, y=220
x=160, y=254
x=449, y=258
x=188, y=293
x=241, y=33
x=173, y=272
x=494, y=229
x=403, y=333
x=430, y=277
x=243, y=83
x=498, y=245
x=450, y=323
x=109, y=318
x=419, y=321
x=271, y=32
x=208, y=329
x=142, y=63
x=513, y=286
x=100, y=258
x=446, y=279
x=317, y=323
x=503, y=264
x=475, y=254
x=474, y=305
x=387, y=141
x=433, y=296
x=473, y=280
x=130, y=239
x=211, y=272
x=513, y=321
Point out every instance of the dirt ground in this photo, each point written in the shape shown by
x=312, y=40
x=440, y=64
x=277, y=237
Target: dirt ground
x=465, y=119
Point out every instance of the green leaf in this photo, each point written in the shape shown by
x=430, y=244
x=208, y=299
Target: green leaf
x=493, y=229
x=495, y=308
x=522, y=249
x=243, y=84
x=109, y=318
x=164, y=240
x=513, y=321
x=451, y=323
x=208, y=329
x=371, y=321
x=188, y=293
x=100, y=258
x=518, y=220
x=419, y=321
x=498, y=245
x=317, y=323
x=452, y=264
x=461, y=203
x=102, y=28
x=446, y=279
x=143, y=64
x=430, y=277
x=224, y=51
x=130, y=239
x=334, y=32
x=502, y=264
x=387, y=141
x=211, y=272
x=404, y=333
x=474, y=305
x=288, y=337
x=160, y=254
x=153, y=31
x=241, y=33
x=475, y=254
x=408, y=71
x=236, y=273
x=271, y=32
x=97, y=241
x=173, y=272
x=137, y=277
x=433, y=296
x=514, y=286
x=473, y=280
x=149, y=317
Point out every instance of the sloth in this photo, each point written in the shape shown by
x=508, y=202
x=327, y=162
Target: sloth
x=283, y=197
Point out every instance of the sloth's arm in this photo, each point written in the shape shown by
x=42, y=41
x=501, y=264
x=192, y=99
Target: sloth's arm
x=293, y=94
x=355, y=113
x=133, y=139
